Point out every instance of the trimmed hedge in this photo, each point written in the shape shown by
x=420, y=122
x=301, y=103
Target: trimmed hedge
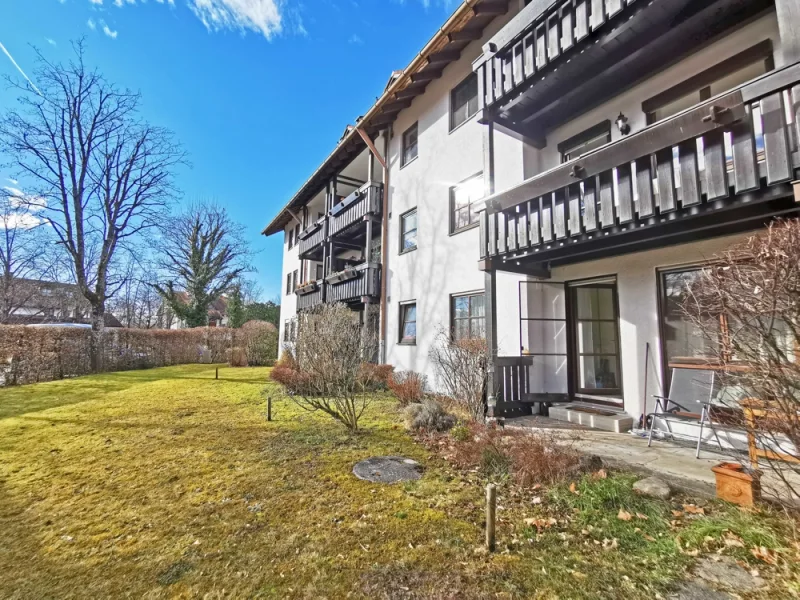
x=32, y=354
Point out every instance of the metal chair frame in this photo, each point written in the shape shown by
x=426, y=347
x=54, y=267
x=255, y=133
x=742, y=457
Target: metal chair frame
x=664, y=412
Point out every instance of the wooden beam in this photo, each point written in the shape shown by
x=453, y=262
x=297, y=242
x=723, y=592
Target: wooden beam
x=426, y=75
x=397, y=105
x=371, y=146
x=491, y=7
x=444, y=56
x=411, y=91
x=465, y=35
x=294, y=216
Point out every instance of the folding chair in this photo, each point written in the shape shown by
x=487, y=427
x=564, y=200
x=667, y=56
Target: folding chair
x=689, y=389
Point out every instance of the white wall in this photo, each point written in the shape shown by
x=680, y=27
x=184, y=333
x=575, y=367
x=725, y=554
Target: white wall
x=443, y=264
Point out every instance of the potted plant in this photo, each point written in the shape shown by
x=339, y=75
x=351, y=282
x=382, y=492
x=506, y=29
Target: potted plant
x=343, y=275
x=306, y=288
x=737, y=484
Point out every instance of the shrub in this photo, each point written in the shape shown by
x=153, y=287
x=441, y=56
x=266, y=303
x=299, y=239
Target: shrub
x=428, y=416
x=237, y=357
x=531, y=457
x=461, y=367
x=461, y=433
x=375, y=377
x=408, y=386
x=260, y=342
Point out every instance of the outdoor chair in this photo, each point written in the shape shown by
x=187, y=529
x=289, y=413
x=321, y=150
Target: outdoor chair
x=689, y=390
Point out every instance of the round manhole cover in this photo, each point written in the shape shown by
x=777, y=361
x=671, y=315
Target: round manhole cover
x=388, y=469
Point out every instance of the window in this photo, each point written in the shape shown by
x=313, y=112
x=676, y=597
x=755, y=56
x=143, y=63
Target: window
x=408, y=231
x=463, y=101
x=297, y=233
x=409, y=145
x=295, y=276
x=408, y=323
x=720, y=78
x=463, y=207
x=288, y=283
x=467, y=314
x=319, y=271
x=287, y=330
x=290, y=235
x=585, y=141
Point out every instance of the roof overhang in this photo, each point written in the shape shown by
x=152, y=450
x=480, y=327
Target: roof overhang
x=465, y=25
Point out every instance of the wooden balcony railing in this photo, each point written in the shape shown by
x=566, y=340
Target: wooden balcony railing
x=697, y=161
x=310, y=299
x=543, y=33
x=312, y=238
x=365, y=282
x=367, y=200
x=512, y=385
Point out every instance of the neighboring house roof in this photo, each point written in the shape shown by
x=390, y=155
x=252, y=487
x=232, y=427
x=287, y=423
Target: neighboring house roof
x=216, y=310
x=465, y=25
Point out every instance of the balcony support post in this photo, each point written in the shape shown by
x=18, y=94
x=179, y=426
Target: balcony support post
x=490, y=308
x=788, y=12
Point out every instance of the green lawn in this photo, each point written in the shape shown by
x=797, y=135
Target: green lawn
x=169, y=483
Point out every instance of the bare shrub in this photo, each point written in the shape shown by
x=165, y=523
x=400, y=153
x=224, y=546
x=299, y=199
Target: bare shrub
x=237, y=357
x=329, y=351
x=376, y=377
x=428, y=416
x=529, y=457
x=408, y=386
x=260, y=342
x=747, y=307
x=461, y=367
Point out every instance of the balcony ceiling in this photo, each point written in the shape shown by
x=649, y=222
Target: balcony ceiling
x=655, y=36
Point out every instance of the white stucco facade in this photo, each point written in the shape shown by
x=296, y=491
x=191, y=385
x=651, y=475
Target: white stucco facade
x=445, y=264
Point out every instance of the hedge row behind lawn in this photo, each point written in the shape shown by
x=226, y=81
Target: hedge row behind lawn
x=33, y=354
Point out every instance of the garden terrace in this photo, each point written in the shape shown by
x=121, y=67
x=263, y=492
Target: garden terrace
x=722, y=166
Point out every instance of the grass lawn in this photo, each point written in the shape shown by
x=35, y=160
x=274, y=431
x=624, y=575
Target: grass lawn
x=168, y=483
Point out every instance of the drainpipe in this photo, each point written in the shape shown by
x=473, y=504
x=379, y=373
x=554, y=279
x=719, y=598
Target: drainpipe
x=384, y=247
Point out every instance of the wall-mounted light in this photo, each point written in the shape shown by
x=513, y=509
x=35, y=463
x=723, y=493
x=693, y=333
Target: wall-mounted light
x=622, y=124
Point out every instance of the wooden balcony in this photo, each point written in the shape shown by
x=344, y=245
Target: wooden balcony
x=704, y=171
x=532, y=74
x=310, y=296
x=354, y=285
x=311, y=240
x=364, y=202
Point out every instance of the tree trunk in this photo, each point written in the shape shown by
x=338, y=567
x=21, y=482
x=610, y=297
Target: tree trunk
x=96, y=342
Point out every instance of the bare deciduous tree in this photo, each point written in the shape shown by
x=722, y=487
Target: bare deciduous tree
x=202, y=252
x=137, y=303
x=26, y=253
x=461, y=368
x=101, y=174
x=755, y=287
x=329, y=351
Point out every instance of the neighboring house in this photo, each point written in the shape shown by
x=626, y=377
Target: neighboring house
x=555, y=173
x=32, y=301
x=217, y=313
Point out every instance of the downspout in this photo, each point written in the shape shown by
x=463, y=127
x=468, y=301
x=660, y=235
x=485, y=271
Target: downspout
x=384, y=247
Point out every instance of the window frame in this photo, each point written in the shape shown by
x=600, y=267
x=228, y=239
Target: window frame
x=569, y=145
x=469, y=318
x=290, y=236
x=289, y=284
x=402, y=249
x=701, y=82
x=402, y=307
x=295, y=277
x=462, y=83
x=404, y=147
x=472, y=224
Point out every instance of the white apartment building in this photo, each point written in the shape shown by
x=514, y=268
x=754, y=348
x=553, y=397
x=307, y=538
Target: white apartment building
x=548, y=175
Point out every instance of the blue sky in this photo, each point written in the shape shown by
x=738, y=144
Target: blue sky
x=257, y=91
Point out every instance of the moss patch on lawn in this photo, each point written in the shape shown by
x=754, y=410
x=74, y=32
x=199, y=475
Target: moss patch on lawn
x=169, y=483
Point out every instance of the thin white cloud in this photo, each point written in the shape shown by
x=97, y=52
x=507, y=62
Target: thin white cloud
x=100, y=2
x=92, y=25
x=109, y=32
x=355, y=39
x=24, y=208
x=13, y=62
x=51, y=41
x=262, y=16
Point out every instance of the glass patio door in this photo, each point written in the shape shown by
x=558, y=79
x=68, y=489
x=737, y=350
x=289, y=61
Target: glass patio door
x=595, y=328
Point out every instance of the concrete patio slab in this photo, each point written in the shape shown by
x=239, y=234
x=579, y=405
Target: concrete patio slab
x=673, y=461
